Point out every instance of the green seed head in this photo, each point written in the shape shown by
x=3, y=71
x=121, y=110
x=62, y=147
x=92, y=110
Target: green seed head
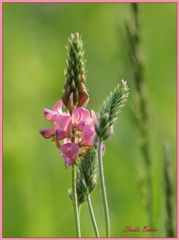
x=110, y=110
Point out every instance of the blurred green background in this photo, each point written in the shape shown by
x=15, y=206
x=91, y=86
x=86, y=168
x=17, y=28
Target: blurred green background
x=35, y=182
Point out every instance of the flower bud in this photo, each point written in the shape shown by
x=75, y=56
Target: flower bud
x=75, y=92
x=87, y=175
x=110, y=109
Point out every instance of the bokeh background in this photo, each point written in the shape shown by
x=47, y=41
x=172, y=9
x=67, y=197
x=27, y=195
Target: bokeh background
x=35, y=182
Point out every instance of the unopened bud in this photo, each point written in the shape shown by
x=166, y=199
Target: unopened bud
x=75, y=74
x=110, y=109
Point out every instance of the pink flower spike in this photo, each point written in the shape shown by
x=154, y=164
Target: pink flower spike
x=69, y=152
x=88, y=135
x=80, y=116
x=47, y=132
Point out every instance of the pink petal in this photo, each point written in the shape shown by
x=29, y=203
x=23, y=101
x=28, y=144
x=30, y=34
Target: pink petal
x=69, y=152
x=49, y=115
x=68, y=161
x=74, y=151
x=60, y=134
x=64, y=123
x=47, y=132
x=80, y=116
x=88, y=135
x=65, y=149
x=57, y=107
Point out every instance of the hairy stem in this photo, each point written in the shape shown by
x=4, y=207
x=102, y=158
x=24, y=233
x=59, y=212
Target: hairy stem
x=75, y=202
x=103, y=189
x=90, y=207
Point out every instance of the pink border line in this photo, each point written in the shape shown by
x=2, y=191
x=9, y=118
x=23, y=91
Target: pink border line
x=1, y=88
x=177, y=115
x=87, y=238
x=1, y=123
x=90, y=1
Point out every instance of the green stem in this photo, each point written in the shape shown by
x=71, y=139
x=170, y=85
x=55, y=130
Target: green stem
x=149, y=200
x=75, y=202
x=90, y=207
x=103, y=189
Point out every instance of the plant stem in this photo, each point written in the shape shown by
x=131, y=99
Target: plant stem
x=142, y=115
x=169, y=191
x=103, y=189
x=75, y=202
x=138, y=71
x=90, y=207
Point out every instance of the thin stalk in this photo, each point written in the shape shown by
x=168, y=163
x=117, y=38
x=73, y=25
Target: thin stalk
x=169, y=191
x=134, y=38
x=103, y=189
x=75, y=202
x=93, y=220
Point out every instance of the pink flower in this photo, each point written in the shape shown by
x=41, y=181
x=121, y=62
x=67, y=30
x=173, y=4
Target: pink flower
x=88, y=135
x=62, y=124
x=56, y=109
x=80, y=116
x=84, y=122
x=75, y=130
x=47, y=132
x=69, y=152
